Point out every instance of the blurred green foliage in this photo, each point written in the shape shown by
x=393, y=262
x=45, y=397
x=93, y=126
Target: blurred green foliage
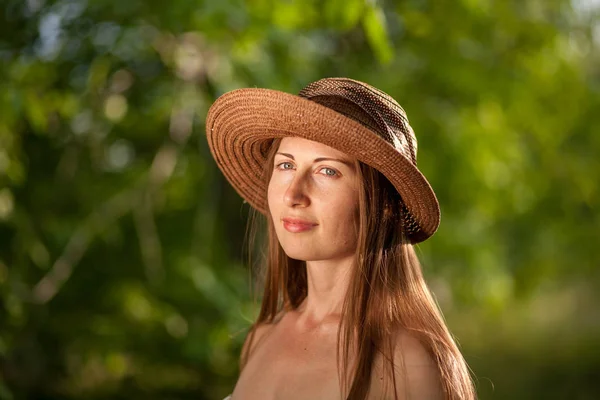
x=121, y=265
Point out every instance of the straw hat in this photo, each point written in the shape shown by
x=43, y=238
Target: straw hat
x=342, y=113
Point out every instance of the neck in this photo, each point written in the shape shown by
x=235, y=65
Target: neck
x=327, y=285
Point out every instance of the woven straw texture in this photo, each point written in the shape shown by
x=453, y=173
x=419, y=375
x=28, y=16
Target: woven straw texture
x=342, y=113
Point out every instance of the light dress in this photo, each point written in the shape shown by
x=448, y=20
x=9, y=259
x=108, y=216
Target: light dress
x=227, y=398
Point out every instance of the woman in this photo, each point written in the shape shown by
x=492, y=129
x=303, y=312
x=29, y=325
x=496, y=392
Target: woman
x=346, y=313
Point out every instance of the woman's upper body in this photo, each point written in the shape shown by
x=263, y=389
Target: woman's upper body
x=346, y=312
x=295, y=356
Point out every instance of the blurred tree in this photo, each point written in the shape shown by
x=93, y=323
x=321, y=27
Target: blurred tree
x=121, y=270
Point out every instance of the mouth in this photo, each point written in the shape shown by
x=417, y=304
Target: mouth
x=296, y=225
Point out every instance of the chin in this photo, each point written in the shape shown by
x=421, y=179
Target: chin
x=299, y=254
x=302, y=250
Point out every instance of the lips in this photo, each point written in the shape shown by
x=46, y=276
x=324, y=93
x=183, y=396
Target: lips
x=297, y=225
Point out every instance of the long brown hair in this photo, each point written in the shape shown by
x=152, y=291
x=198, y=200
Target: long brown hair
x=386, y=293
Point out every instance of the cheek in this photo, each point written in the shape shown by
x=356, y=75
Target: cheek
x=270, y=197
x=273, y=197
x=343, y=216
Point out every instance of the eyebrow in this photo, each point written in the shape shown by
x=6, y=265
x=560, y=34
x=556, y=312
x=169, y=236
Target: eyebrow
x=347, y=162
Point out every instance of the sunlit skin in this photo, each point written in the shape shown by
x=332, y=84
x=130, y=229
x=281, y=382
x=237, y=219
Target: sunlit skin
x=313, y=193
x=313, y=201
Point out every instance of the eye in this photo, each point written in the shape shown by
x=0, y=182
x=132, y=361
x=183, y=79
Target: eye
x=329, y=171
x=285, y=165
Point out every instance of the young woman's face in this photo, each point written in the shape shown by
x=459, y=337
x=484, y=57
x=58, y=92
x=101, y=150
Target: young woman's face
x=313, y=200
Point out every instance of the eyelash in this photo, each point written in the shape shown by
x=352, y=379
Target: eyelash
x=335, y=172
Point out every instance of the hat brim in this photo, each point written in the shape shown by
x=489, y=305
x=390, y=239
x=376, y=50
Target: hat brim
x=239, y=122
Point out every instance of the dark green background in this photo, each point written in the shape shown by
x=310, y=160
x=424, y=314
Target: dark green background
x=122, y=274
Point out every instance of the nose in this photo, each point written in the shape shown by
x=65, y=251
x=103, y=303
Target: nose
x=296, y=194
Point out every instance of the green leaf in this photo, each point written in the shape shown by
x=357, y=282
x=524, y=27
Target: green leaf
x=375, y=29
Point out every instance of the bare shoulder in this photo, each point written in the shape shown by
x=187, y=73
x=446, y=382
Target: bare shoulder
x=415, y=371
x=412, y=351
x=256, y=336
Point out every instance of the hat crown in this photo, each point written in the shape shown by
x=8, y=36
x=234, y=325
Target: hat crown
x=370, y=107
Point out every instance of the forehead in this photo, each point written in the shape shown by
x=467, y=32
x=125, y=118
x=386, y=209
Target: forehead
x=299, y=146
